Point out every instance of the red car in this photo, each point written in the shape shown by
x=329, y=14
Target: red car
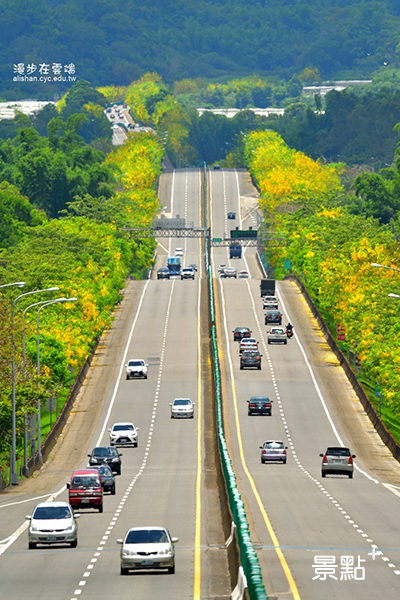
x=85, y=490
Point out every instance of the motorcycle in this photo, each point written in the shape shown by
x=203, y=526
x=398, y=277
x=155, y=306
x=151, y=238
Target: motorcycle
x=289, y=333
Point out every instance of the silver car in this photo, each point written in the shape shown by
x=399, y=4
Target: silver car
x=52, y=523
x=277, y=334
x=337, y=461
x=182, y=408
x=273, y=450
x=147, y=548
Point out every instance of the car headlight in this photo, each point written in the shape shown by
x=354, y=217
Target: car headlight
x=165, y=551
x=115, y=460
x=129, y=553
x=34, y=529
x=69, y=529
x=94, y=460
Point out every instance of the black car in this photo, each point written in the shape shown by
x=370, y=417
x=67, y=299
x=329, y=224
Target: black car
x=273, y=316
x=250, y=359
x=231, y=215
x=163, y=273
x=259, y=405
x=240, y=333
x=106, y=477
x=108, y=455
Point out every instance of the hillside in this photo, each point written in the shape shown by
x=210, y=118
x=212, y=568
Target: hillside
x=110, y=42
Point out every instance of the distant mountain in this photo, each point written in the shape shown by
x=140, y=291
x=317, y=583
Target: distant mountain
x=115, y=42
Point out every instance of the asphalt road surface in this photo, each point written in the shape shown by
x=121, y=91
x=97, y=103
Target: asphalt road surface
x=316, y=538
x=163, y=481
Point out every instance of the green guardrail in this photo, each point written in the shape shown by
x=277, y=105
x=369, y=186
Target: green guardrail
x=248, y=555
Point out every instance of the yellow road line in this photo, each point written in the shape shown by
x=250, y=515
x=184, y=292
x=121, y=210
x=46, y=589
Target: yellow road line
x=267, y=522
x=197, y=537
x=281, y=557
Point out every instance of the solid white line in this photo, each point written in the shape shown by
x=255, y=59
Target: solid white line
x=122, y=366
x=320, y=396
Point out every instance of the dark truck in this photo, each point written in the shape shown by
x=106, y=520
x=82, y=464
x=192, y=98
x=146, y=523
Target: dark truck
x=267, y=287
x=235, y=251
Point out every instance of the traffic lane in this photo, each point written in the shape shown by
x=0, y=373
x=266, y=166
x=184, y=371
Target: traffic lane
x=88, y=536
x=158, y=491
x=275, y=429
x=164, y=493
x=71, y=449
x=353, y=422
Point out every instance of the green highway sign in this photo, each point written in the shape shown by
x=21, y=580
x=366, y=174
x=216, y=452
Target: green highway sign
x=243, y=234
x=217, y=239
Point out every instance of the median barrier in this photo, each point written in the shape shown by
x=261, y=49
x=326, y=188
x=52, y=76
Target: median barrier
x=248, y=556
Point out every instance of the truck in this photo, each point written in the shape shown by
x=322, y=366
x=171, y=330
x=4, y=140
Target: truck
x=267, y=287
x=235, y=251
x=174, y=266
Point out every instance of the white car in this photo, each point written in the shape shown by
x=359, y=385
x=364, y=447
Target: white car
x=147, y=548
x=52, y=523
x=122, y=434
x=270, y=302
x=136, y=367
x=243, y=274
x=248, y=344
x=182, y=408
x=178, y=251
x=277, y=334
x=229, y=272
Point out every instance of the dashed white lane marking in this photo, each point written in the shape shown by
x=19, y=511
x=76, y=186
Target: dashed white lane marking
x=118, y=511
x=316, y=481
x=6, y=543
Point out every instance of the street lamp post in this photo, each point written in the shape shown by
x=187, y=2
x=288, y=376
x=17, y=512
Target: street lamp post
x=13, y=471
x=24, y=375
x=390, y=269
x=384, y=267
x=57, y=300
x=19, y=284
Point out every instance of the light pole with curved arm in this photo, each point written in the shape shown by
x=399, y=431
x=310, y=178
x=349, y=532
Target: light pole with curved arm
x=19, y=284
x=48, y=303
x=384, y=267
x=24, y=374
x=390, y=269
x=13, y=471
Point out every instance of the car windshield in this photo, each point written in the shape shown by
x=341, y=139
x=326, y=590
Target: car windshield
x=123, y=427
x=105, y=470
x=274, y=445
x=104, y=451
x=181, y=402
x=136, y=363
x=338, y=451
x=52, y=512
x=83, y=482
x=250, y=353
x=146, y=536
x=277, y=331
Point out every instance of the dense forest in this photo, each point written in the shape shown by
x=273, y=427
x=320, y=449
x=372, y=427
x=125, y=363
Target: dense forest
x=63, y=203
x=110, y=42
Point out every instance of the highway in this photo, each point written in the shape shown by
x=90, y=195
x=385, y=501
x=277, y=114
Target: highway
x=295, y=516
x=316, y=538
x=163, y=481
